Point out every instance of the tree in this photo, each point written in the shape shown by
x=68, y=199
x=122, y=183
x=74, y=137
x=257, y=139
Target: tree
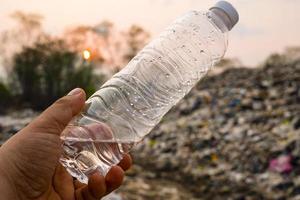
x=136, y=38
x=48, y=70
x=30, y=27
x=102, y=41
x=109, y=47
x=6, y=97
x=29, y=23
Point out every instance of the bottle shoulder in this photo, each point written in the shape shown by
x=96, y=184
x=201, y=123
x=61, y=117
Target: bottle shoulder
x=208, y=28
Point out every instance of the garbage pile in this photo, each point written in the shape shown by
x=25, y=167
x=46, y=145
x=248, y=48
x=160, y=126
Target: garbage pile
x=236, y=135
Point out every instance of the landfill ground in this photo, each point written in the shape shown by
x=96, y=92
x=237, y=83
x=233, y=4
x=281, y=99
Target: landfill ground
x=236, y=136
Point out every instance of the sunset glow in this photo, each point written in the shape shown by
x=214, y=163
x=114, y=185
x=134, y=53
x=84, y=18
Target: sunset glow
x=86, y=55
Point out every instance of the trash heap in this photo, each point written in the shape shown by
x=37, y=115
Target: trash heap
x=236, y=135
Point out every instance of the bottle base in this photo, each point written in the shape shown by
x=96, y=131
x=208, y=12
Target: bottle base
x=83, y=158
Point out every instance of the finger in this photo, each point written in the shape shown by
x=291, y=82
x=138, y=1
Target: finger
x=84, y=194
x=95, y=189
x=58, y=115
x=62, y=183
x=78, y=184
x=126, y=162
x=114, y=178
x=97, y=185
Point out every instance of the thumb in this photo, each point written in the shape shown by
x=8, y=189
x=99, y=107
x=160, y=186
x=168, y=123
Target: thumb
x=55, y=118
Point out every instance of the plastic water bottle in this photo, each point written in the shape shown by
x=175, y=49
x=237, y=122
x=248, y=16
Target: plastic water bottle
x=128, y=106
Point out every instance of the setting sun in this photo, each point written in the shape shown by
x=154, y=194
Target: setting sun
x=86, y=54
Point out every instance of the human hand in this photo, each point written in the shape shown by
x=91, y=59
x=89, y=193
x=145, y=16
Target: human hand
x=29, y=161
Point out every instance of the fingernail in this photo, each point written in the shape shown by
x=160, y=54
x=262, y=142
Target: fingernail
x=75, y=91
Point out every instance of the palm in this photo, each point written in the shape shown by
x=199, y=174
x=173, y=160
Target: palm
x=29, y=161
x=42, y=177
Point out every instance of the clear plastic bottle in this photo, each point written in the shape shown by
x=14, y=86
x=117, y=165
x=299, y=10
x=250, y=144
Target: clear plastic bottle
x=128, y=106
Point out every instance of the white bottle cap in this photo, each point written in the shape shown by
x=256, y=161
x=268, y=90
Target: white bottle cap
x=229, y=10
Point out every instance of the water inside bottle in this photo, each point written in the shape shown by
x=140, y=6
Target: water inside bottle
x=83, y=157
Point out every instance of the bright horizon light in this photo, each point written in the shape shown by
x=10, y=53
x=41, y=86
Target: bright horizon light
x=86, y=54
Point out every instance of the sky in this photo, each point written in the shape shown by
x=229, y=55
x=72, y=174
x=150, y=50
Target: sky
x=265, y=27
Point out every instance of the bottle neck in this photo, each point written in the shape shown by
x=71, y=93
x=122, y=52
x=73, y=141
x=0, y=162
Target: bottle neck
x=221, y=19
